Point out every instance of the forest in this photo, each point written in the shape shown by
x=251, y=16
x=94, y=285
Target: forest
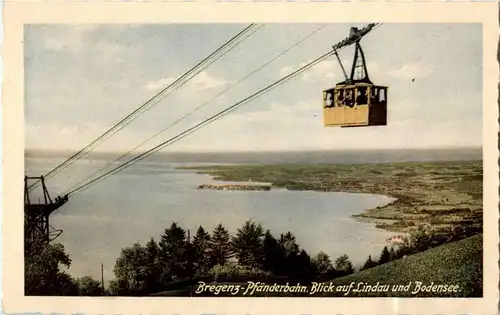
x=177, y=261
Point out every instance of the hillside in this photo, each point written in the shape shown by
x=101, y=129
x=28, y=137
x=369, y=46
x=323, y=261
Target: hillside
x=458, y=263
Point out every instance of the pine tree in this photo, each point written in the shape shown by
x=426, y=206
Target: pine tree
x=220, y=246
x=152, y=249
x=173, y=252
x=385, y=256
x=289, y=251
x=369, y=263
x=201, y=245
x=393, y=254
x=304, y=267
x=271, y=253
x=153, y=268
x=248, y=245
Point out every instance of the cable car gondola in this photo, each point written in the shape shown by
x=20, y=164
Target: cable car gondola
x=356, y=101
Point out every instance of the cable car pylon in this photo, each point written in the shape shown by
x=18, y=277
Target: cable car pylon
x=37, y=230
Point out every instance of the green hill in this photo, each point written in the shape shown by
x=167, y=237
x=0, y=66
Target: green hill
x=458, y=263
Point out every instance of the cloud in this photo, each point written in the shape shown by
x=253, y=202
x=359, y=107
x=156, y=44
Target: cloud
x=104, y=72
x=79, y=39
x=413, y=70
x=202, y=81
x=328, y=70
x=75, y=137
x=59, y=44
x=286, y=70
x=322, y=71
x=58, y=38
x=372, y=66
x=205, y=81
x=259, y=132
x=159, y=84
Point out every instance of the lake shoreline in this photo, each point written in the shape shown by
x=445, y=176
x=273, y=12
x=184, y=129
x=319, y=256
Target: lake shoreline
x=442, y=194
x=235, y=187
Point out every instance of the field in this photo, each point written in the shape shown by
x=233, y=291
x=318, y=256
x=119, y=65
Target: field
x=442, y=194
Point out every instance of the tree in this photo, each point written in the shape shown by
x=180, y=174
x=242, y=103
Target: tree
x=343, y=265
x=292, y=261
x=272, y=257
x=153, y=250
x=421, y=239
x=393, y=254
x=289, y=263
x=131, y=271
x=288, y=244
x=385, y=256
x=229, y=272
x=220, y=246
x=90, y=287
x=322, y=263
x=153, y=268
x=248, y=245
x=369, y=263
x=42, y=271
x=173, y=253
x=201, y=245
x=303, y=266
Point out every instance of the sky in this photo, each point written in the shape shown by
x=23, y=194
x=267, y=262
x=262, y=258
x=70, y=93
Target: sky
x=82, y=79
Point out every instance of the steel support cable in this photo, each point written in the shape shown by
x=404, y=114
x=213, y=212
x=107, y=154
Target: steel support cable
x=208, y=120
x=201, y=124
x=228, y=46
x=158, y=97
x=200, y=106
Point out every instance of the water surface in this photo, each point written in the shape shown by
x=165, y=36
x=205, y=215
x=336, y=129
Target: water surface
x=141, y=201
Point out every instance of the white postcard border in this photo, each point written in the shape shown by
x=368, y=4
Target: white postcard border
x=18, y=13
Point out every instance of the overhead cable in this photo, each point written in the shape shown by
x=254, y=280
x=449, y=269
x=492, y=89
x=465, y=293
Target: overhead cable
x=201, y=124
x=205, y=122
x=202, y=105
x=225, y=48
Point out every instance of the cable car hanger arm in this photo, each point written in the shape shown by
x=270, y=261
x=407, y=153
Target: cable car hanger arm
x=340, y=63
x=355, y=36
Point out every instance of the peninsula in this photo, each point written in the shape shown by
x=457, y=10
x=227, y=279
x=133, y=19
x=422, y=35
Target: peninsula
x=442, y=194
x=235, y=187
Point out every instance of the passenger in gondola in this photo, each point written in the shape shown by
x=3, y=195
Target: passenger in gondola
x=373, y=96
x=340, y=100
x=330, y=100
x=349, y=99
x=361, y=98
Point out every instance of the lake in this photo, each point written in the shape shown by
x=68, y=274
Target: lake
x=141, y=201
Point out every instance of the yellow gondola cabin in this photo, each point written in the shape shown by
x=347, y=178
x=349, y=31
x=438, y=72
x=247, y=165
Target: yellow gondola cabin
x=358, y=104
x=356, y=101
